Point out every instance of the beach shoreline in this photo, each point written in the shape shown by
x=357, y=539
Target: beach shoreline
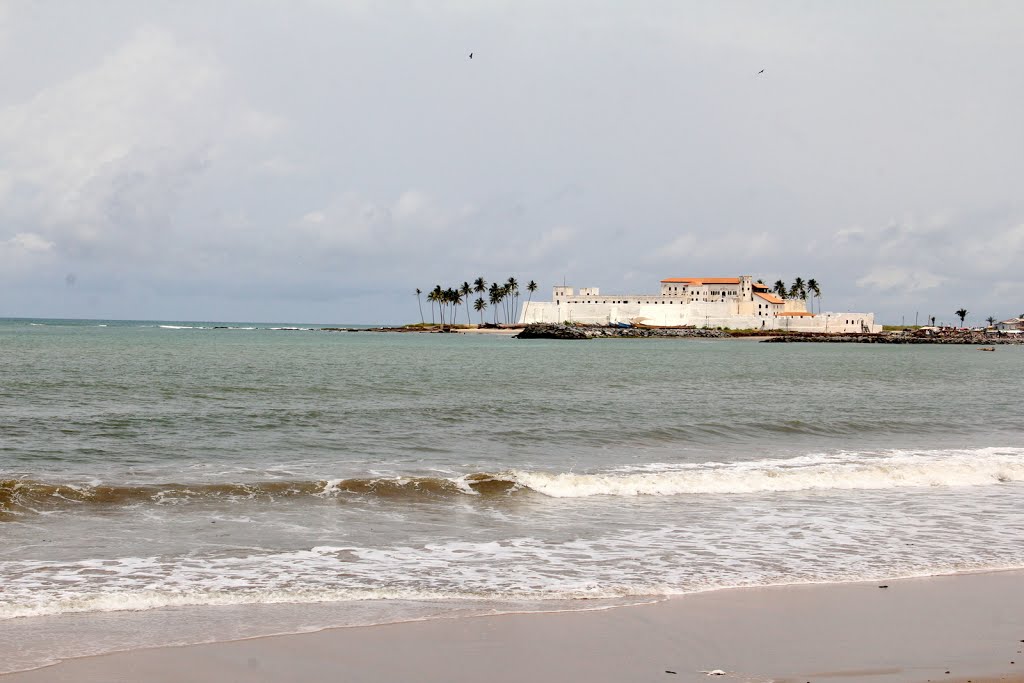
x=970, y=625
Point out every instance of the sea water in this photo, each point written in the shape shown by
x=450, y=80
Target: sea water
x=176, y=482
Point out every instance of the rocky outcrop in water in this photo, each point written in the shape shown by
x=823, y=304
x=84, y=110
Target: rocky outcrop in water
x=556, y=331
x=546, y=331
x=975, y=338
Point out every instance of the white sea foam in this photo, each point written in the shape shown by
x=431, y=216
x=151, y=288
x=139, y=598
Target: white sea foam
x=890, y=469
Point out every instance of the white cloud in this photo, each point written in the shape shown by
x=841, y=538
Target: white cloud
x=23, y=253
x=157, y=147
x=680, y=248
x=895, y=278
x=30, y=242
x=104, y=157
x=557, y=239
x=413, y=224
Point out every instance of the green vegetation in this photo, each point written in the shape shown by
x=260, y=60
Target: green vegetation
x=800, y=289
x=962, y=314
x=504, y=299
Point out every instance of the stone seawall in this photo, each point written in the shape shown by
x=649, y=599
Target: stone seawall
x=967, y=338
x=554, y=331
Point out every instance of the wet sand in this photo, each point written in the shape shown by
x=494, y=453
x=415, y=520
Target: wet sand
x=952, y=629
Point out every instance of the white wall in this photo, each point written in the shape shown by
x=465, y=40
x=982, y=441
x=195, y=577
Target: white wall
x=698, y=314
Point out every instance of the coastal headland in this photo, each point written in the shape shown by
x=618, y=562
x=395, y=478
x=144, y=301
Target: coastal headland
x=562, y=331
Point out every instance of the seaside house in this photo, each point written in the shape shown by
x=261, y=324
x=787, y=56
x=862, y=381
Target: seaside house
x=1011, y=325
x=734, y=302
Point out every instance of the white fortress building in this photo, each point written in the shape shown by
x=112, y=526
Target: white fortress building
x=733, y=302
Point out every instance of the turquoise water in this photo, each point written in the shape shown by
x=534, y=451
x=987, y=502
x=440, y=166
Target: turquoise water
x=173, y=482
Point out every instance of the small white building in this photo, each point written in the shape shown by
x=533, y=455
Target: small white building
x=1011, y=325
x=733, y=302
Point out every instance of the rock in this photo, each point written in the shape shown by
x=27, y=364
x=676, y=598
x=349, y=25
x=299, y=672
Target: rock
x=556, y=331
x=974, y=338
x=550, y=331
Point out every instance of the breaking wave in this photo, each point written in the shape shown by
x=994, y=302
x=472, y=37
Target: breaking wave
x=842, y=471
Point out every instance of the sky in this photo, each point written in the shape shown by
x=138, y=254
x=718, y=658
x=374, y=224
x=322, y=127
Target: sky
x=319, y=160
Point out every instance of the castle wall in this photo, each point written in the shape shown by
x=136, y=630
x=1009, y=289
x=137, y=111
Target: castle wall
x=697, y=314
x=730, y=305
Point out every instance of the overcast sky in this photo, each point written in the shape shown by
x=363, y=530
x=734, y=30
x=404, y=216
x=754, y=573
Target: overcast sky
x=317, y=160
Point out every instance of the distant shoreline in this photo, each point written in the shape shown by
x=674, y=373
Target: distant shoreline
x=580, y=332
x=436, y=329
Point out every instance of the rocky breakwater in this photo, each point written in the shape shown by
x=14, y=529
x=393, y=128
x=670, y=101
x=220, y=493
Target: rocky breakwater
x=555, y=331
x=976, y=338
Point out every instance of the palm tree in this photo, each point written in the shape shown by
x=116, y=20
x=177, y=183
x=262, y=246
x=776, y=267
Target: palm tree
x=432, y=298
x=799, y=289
x=513, y=292
x=780, y=288
x=419, y=302
x=962, y=314
x=531, y=287
x=465, y=291
x=991, y=320
x=496, y=296
x=815, y=289
x=454, y=298
x=439, y=297
x=479, y=305
x=479, y=285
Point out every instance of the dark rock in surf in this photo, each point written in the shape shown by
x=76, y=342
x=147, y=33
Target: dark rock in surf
x=551, y=331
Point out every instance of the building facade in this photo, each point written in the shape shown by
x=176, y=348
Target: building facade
x=733, y=302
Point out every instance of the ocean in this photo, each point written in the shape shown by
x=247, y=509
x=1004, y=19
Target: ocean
x=174, y=482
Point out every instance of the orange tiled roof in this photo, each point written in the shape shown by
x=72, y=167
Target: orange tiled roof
x=796, y=314
x=770, y=298
x=703, y=280
x=760, y=285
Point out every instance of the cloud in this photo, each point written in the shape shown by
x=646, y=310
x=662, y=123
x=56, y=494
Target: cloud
x=413, y=224
x=102, y=159
x=24, y=252
x=679, y=248
x=166, y=155
x=555, y=240
x=906, y=281
x=29, y=242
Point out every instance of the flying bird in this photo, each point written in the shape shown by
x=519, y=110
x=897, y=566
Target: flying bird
x=471, y=55
x=758, y=73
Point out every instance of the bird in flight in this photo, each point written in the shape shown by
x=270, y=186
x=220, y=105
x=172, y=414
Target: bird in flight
x=758, y=73
x=471, y=55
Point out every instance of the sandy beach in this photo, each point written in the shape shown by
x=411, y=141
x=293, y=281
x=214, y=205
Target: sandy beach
x=950, y=628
